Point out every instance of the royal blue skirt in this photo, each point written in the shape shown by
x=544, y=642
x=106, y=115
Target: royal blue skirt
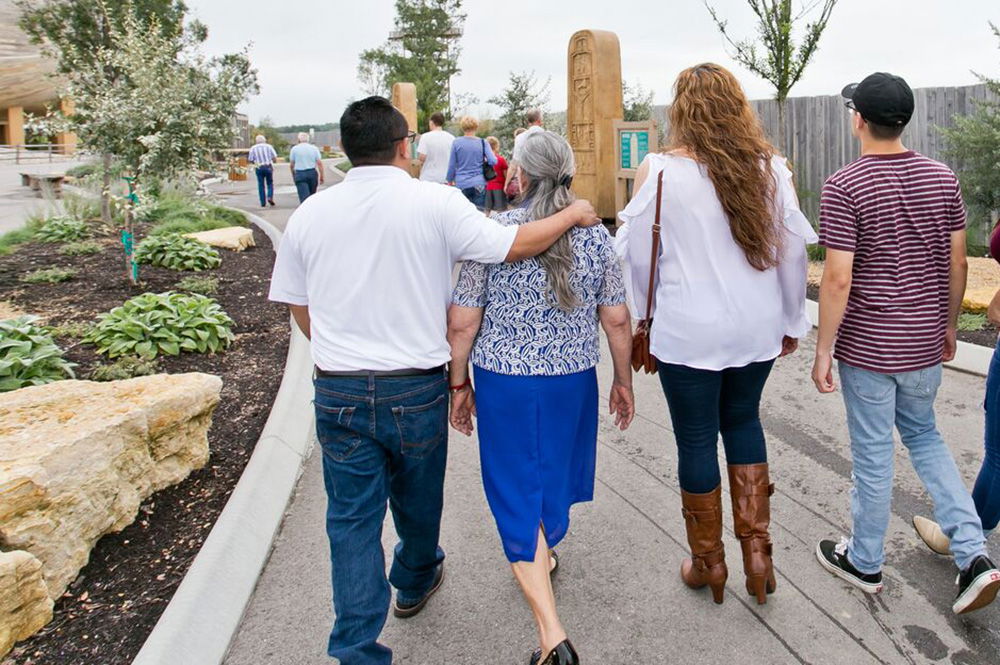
x=538, y=451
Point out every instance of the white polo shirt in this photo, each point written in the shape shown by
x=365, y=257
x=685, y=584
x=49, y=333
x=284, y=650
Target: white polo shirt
x=519, y=140
x=373, y=259
x=436, y=145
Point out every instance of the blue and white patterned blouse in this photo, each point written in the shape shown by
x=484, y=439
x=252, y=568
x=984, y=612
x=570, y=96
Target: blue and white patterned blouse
x=523, y=331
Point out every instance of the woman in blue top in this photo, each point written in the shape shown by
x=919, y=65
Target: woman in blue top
x=465, y=167
x=531, y=327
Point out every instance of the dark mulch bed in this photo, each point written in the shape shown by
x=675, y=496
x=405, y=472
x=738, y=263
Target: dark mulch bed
x=985, y=337
x=107, y=613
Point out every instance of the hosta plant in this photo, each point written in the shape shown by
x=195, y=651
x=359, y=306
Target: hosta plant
x=177, y=253
x=28, y=356
x=163, y=323
x=48, y=275
x=62, y=229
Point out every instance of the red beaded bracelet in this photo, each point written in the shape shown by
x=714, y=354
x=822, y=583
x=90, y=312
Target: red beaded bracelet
x=468, y=383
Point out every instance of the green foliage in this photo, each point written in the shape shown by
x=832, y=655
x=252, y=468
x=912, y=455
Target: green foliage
x=295, y=129
x=179, y=210
x=28, y=356
x=126, y=367
x=273, y=135
x=84, y=170
x=62, y=229
x=971, y=322
x=206, y=286
x=974, y=143
x=176, y=252
x=74, y=329
x=425, y=54
x=816, y=252
x=523, y=93
x=344, y=165
x=48, y=275
x=9, y=241
x=638, y=102
x=80, y=248
x=163, y=323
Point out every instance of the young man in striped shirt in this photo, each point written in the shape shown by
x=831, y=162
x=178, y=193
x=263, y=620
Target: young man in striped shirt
x=893, y=224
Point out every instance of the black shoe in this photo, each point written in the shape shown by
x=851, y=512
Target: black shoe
x=977, y=586
x=535, y=657
x=271, y=201
x=563, y=654
x=407, y=610
x=833, y=557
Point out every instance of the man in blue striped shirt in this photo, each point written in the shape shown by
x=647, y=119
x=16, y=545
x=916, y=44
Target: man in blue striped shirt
x=262, y=155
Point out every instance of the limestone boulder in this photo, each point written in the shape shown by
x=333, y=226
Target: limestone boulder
x=78, y=457
x=236, y=238
x=25, y=605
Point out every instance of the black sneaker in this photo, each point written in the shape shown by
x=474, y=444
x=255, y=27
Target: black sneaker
x=833, y=557
x=977, y=586
x=407, y=610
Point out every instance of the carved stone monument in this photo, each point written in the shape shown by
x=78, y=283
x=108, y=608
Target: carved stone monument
x=595, y=103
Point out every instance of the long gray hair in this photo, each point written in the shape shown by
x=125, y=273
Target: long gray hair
x=547, y=161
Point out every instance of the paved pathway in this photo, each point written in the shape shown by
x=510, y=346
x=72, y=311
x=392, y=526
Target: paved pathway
x=618, y=588
x=17, y=201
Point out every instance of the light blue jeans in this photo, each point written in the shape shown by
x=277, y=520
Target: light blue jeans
x=875, y=402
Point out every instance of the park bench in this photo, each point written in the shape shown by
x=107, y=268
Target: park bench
x=44, y=182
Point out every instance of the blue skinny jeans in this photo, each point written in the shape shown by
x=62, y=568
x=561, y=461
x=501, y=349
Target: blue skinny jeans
x=986, y=492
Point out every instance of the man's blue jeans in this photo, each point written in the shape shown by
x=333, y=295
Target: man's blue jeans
x=875, y=402
x=306, y=183
x=265, y=177
x=383, y=439
x=476, y=195
x=986, y=492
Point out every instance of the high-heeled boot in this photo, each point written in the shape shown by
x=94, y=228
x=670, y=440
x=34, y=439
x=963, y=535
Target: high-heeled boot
x=751, y=491
x=563, y=654
x=707, y=565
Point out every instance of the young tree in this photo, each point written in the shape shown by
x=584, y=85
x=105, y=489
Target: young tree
x=523, y=92
x=974, y=142
x=154, y=102
x=781, y=63
x=423, y=50
x=638, y=102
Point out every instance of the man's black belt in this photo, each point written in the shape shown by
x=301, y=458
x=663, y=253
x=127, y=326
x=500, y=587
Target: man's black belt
x=392, y=372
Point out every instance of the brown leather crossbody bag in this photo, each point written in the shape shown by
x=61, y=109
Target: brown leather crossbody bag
x=642, y=357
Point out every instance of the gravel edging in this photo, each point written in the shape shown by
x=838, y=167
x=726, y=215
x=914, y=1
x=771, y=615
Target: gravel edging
x=204, y=614
x=970, y=358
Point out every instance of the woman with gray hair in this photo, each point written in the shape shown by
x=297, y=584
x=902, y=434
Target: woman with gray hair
x=531, y=330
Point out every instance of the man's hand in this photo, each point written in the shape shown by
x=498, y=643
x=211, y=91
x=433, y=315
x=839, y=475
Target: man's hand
x=950, y=344
x=789, y=345
x=622, y=405
x=584, y=213
x=822, y=374
x=463, y=408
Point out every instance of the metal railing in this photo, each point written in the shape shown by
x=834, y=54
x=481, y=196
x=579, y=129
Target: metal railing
x=33, y=152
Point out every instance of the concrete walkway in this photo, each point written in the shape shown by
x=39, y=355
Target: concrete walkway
x=17, y=201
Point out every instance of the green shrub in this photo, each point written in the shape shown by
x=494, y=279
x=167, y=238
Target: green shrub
x=344, y=165
x=180, y=210
x=206, y=286
x=80, y=248
x=62, y=229
x=9, y=241
x=48, y=275
x=971, y=322
x=84, y=170
x=154, y=323
x=126, y=367
x=191, y=225
x=816, y=252
x=28, y=356
x=177, y=253
x=77, y=329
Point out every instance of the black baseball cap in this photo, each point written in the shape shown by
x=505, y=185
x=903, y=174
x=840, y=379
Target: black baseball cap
x=882, y=99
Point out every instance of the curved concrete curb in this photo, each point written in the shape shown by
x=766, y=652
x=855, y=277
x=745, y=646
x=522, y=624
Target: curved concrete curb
x=971, y=358
x=205, y=612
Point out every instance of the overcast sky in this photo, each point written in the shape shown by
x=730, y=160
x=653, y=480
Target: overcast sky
x=306, y=51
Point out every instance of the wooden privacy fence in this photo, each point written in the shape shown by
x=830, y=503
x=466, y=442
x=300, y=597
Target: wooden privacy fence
x=819, y=140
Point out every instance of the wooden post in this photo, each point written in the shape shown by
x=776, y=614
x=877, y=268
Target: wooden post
x=15, y=125
x=404, y=98
x=66, y=140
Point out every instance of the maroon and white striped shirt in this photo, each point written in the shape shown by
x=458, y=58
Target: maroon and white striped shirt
x=896, y=213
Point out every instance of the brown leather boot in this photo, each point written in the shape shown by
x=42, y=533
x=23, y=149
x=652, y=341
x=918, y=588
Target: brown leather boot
x=751, y=492
x=707, y=565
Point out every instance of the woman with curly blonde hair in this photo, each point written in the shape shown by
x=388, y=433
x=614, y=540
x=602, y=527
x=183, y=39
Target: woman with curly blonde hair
x=729, y=295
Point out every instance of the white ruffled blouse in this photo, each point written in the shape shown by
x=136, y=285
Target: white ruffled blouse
x=712, y=309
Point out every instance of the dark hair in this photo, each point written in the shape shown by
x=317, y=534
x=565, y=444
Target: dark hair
x=438, y=118
x=369, y=130
x=885, y=132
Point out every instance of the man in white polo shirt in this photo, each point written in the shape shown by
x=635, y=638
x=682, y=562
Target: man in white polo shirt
x=366, y=269
x=434, y=151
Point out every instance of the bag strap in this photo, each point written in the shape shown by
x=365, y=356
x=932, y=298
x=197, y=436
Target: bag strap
x=655, y=254
x=484, y=149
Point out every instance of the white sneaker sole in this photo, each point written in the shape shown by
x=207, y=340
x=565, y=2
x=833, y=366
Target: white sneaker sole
x=980, y=593
x=847, y=577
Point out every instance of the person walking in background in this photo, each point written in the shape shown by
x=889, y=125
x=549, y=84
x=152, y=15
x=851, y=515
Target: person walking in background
x=533, y=118
x=531, y=327
x=469, y=154
x=893, y=224
x=306, y=163
x=512, y=185
x=496, y=200
x=262, y=156
x=729, y=293
x=379, y=346
x=434, y=151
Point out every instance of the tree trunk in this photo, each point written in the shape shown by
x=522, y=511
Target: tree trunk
x=106, y=190
x=782, y=138
x=128, y=241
